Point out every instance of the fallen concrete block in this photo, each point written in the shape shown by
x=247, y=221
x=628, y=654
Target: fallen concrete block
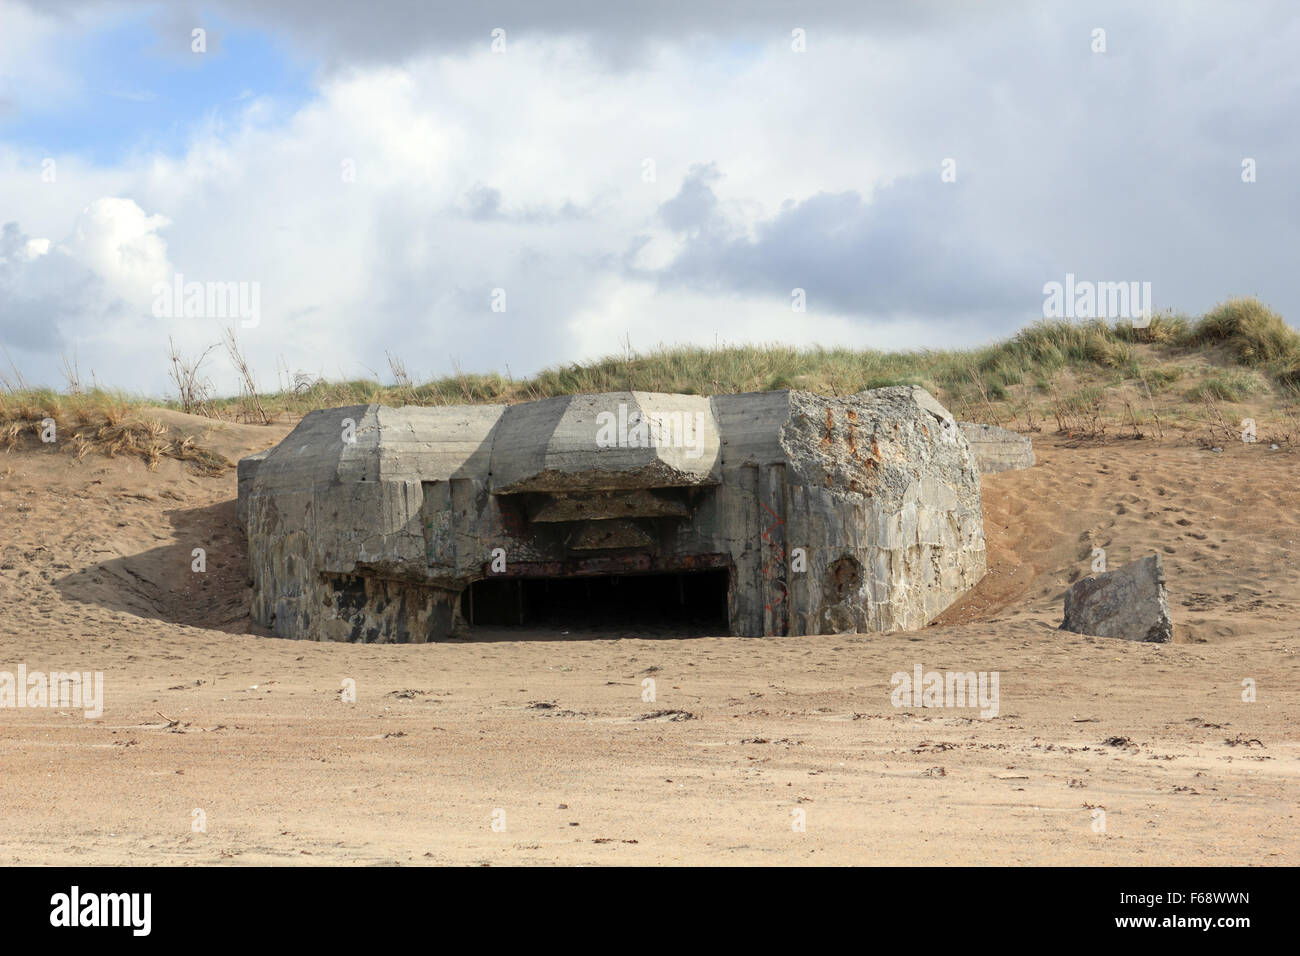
x=1128, y=603
x=997, y=449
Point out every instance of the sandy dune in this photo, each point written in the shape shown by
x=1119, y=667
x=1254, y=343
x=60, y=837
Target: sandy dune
x=95, y=574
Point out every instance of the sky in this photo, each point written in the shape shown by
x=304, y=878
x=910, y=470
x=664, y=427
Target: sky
x=506, y=186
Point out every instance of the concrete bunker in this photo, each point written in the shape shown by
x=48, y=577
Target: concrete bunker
x=768, y=513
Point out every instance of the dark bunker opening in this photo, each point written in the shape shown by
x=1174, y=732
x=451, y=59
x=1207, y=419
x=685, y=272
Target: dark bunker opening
x=681, y=603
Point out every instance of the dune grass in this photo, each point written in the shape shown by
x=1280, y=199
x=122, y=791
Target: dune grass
x=1246, y=331
x=1082, y=374
x=105, y=421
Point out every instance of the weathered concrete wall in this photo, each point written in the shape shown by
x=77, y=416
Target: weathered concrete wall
x=246, y=472
x=606, y=442
x=997, y=449
x=829, y=514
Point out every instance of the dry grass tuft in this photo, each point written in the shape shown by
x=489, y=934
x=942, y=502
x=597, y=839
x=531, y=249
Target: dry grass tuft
x=109, y=429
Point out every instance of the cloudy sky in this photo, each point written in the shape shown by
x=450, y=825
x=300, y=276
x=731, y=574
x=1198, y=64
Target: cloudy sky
x=511, y=185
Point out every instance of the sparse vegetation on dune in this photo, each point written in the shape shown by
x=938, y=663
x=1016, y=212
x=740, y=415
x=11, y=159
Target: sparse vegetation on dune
x=1091, y=378
x=1256, y=335
x=106, y=422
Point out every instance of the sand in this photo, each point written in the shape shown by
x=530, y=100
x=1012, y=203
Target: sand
x=537, y=748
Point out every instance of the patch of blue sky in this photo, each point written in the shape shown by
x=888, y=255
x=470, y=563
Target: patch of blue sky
x=138, y=86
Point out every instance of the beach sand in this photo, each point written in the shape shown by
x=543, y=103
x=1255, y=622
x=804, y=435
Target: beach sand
x=536, y=747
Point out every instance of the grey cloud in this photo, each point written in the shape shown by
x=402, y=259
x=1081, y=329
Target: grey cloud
x=484, y=204
x=344, y=31
x=913, y=249
x=695, y=204
x=47, y=300
x=31, y=301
